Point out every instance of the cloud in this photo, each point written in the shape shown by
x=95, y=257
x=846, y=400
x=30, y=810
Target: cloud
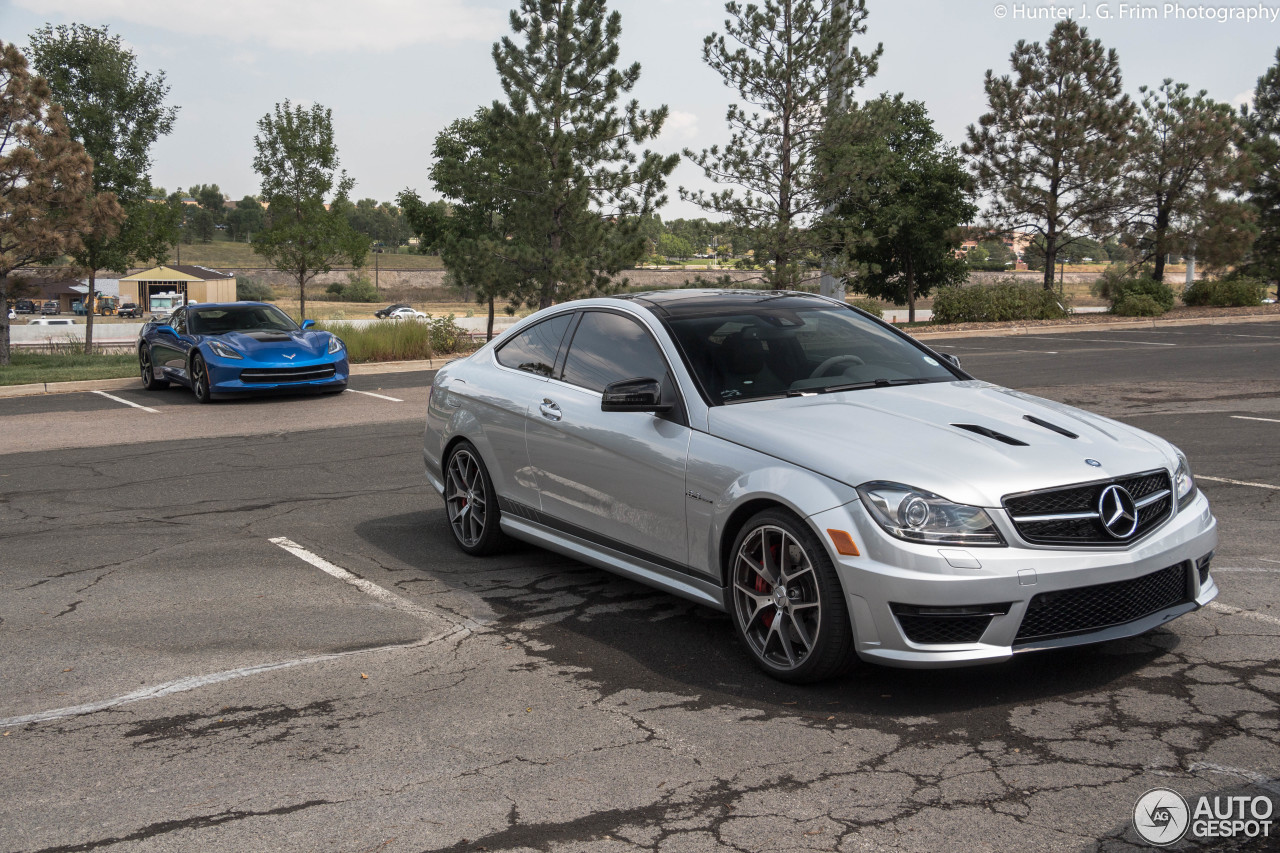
x=1242, y=99
x=680, y=126
x=305, y=26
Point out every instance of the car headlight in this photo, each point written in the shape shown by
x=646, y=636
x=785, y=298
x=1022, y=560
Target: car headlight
x=335, y=345
x=1184, y=485
x=219, y=348
x=919, y=516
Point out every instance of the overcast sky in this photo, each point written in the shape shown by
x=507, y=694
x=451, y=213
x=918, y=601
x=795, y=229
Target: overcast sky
x=395, y=72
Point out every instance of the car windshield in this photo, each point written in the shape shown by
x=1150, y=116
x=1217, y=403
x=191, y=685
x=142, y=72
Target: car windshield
x=240, y=318
x=793, y=346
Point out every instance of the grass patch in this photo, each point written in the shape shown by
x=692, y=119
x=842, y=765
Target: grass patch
x=28, y=368
x=400, y=340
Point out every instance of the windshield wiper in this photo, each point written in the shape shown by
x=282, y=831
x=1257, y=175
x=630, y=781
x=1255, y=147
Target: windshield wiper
x=872, y=383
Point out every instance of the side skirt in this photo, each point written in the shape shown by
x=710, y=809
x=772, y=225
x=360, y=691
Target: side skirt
x=699, y=591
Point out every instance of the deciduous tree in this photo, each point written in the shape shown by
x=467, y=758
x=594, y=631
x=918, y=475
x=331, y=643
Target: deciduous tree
x=793, y=67
x=298, y=162
x=1051, y=151
x=906, y=194
x=45, y=176
x=117, y=112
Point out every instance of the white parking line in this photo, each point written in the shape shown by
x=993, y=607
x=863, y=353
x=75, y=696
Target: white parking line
x=1236, y=482
x=387, y=597
x=1231, y=610
x=1247, y=418
x=1104, y=341
x=371, y=394
x=1217, y=569
x=193, y=682
x=128, y=402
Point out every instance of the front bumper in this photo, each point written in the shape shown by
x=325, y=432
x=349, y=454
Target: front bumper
x=236, y=376
x=927, y=579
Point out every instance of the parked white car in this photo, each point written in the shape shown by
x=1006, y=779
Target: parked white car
x=406, y=314
x=51, y=321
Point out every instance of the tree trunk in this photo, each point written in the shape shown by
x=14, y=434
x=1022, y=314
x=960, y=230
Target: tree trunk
x=88, y=315
x=911, y=291
x=489, y=331
x=4, y=320
x=1162, y=228
x=302, y=298
x=1050, y=258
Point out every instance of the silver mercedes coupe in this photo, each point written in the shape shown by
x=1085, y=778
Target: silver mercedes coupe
x=835, y=485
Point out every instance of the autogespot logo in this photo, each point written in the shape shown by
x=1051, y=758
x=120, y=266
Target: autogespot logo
x=1161, y=817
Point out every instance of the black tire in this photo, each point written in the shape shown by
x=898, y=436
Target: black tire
x=471, y=504
x=199, y=374
x=787, y=602
x=148, y=370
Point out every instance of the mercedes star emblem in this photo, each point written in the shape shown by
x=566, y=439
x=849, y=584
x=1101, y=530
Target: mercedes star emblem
x=1118, y=512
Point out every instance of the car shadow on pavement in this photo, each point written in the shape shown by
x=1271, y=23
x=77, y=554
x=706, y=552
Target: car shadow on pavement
x=626, y=636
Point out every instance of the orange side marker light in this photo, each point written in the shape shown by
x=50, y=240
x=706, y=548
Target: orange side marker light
x=844, y=543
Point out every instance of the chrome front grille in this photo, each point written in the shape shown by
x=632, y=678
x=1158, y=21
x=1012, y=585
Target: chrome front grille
x=1071, y=515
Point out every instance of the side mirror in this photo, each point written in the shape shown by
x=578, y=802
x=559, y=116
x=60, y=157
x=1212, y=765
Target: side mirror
x=166, y=329
x=954, y=359
x=634, y=395
x=307, y=324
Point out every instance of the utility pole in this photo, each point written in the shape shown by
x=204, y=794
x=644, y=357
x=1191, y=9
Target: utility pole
x=837, y=99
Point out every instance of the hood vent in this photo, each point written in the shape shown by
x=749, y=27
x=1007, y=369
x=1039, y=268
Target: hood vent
x=990, y=433
x=1059, y=430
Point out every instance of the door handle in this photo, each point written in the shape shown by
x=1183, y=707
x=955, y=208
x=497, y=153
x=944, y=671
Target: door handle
x=550, y=410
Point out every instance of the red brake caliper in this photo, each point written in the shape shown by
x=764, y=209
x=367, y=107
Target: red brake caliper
x=763, y=586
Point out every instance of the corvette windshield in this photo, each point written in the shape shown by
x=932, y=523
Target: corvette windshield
x=240, y=318
x=792, y=346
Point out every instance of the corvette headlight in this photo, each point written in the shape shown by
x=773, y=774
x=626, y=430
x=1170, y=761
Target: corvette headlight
x=919, y=516
x=219, y=348
x=1184, y=485
x=335, y=345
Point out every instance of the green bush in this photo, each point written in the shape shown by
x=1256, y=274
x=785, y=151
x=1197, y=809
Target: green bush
x=1002, y=301
x=399, y=341
x=355, y=289
x=252, y=290
x=1121, y=291
x=1137, y=305
x=1225, y=293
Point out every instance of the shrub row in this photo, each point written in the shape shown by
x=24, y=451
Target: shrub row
x=1003, y=300
x=1133, y=296
x=356, y=289
x=400, y=340
x=1225, y=293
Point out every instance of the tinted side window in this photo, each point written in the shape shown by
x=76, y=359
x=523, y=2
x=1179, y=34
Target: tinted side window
x=179, y=321
x=534, y=350
x=609, y=348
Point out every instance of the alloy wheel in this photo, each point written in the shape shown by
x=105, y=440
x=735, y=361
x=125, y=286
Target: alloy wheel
x=466, y=498
x=778, y=606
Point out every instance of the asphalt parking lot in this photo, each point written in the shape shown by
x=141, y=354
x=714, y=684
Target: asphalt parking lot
x=245, y=627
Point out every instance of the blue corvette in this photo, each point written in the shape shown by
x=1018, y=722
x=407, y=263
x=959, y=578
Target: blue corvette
x=239, y=347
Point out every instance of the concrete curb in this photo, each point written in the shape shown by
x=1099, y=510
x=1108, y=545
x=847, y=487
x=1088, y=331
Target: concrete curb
x=435, y=363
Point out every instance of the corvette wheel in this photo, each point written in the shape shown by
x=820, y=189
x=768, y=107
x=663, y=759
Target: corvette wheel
x=470, y=503
x=200, y=379
x=788, y=604
x=148, y=370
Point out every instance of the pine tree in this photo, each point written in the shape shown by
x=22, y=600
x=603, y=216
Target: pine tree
x=1051, y=151
x=117, y=112
x=1186, y=153
x=1262, y=125
x=45, y=177
x=577, y=189
x=791, y=63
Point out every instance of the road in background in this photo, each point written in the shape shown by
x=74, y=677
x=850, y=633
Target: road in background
x=245, y=626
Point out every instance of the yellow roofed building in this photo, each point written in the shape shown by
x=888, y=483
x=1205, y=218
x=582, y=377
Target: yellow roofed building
x=165, y=287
